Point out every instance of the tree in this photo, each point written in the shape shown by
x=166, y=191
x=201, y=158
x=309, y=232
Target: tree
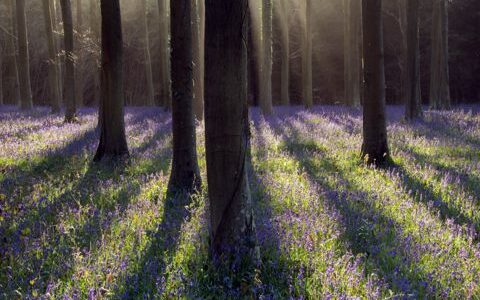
x=266, y=84
x=413, y=102
x=226, y=124
x=307, y=57
x=352, y=48
x=113, y=142
x=11, y=55
x=26, y=101
x=79, y=83
x=439, y=78
x=375, y=146
x=148, y=60
x=285, y=62
x=1, y=77
x=198, y=24
x=185, y=174
x=165, y=80
x=52, y=58
x=71, y=107
x=95, y=28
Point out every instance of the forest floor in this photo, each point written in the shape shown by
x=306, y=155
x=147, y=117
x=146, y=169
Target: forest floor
x=328, y=226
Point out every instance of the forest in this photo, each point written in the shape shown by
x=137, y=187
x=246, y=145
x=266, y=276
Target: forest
x=239, y=149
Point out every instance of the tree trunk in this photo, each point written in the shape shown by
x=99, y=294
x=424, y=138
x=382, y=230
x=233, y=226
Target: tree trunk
x=148, y=61
x=56, y=20
x=353, y=33
x=165, y=80
x=232, y=226
x=1, y=77
x=79, y=82
x=13, y=84
x=266, y=84
x=439, y=77
x=285, y=63
x=71, y=108
x=307, y=58
x=113, y=142
x=375, y=146
x=94, y=27
x=52, y=59
x=26, y=101
x=198, y=24
x=413, y=105
x=185, y=175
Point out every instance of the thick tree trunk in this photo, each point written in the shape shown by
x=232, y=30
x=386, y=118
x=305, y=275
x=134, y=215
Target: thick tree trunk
x=353, y=33
x=26, y=101
x=413, y=102
x=198, y=24
x=285, y=63
x=266, y=83
x=71, y=107
x=439, y=77
x=113, y=142
x=226, y=120
x=79, y=82
x=307, y=57
x=13, y=84
x=165, y=80
x=375, y=147
x=185, y=174
x=148, y=60
x=52, y=59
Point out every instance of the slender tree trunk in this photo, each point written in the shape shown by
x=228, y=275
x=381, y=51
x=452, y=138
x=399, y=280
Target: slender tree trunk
x=113, y=142
x=71, y=108
x=94, y=27
x=79, y=82
x=266, y=84
x=165, y=80
x=198, y=24
x=285, y=68
x=353, y=33
x=413, y=104
x=148, y=61
x=26, y=101
x=52, y=58
x=439, y=77
x=226, y=120
x=56, y=20
x=185, y=175
x=375, y=146
x=13, y=85
x=307, y=58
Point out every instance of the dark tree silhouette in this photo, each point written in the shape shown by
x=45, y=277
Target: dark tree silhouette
x=413, y=103
x=69, y=94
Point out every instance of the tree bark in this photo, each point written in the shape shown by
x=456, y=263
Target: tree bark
x=26, y=101
x=375, y=146
x=95, y=28
x=266, y=84
x=113, y=142
x=13, y=85
x=307, y=58
x=148, y=60
x=53, y=79
x=71, y=108
x=353, y=33
x=79, y=82
x=285, y=67
x=439, y=77
x=232, y=227
x=1, y=77
x=165, y=80
x=198, y=24
x=413, y=103
x=185, y=174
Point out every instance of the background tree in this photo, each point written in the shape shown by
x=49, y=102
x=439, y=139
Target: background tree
x=413, y=102
x=148, y=60
x=352, y=48
x=1, y=75
x=185, y=174
x=113, y=143
x=439, y=77
x=95, y=35
x=69, y=94
x=307, y=57
x=12, y=80
x=375, y=145
x=198, y=34
x=80, y=34
x=165, y=80
x=26, y=101
x=285, y=54
x=266, y=80
x=226, y=122
x=53, y=79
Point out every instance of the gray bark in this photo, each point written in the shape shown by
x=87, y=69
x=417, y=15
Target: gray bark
x=266, y=84
x=198, y=24
x=413, y=103
x=113, y=142
x=232, y=227
x=71, y=107
x=13, y=83
x=148, y=61
x=375, y=146
x=165, y=80
x=26, y=101
x=307, y=57
x=79, y=82
x=185, y=174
